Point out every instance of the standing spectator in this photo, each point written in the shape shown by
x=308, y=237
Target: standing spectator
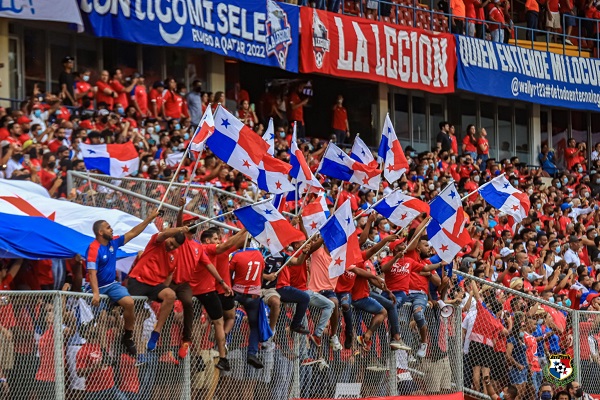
x=66, y=82
x=531, y=16
x=454, y=140
x=172, y=101
x=553, y=18
x=246, y=114
x=496, y=27
x=84, y=93
x=296, y=109
x=469, y=142
x=546, y=159
x=139, y=96
x=156, y=100
x=341, y=128
x=444, y=143
x=123, y=92
x=195, y=103
x=105, y=94
x=471, y=15
x=574, y=153
x=483, y=148
x=458, y=16
x=516, y=354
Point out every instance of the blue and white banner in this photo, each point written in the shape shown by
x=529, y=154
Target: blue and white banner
x=260, y=32
x=42, y=10
x=518, y=73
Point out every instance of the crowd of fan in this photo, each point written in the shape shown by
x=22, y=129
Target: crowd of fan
x=552, y=254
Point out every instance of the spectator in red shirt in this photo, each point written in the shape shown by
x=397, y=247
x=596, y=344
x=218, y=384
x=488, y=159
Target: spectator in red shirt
x=105, y=93
x=553, y=18
x=483, y=148
x=469, y=142
x=573, y=153
x=172, y=101
x=84, y=93
x=152, y=274
x=139, y=96
x=296, y=104
x=155, y=100
x=340, y=125
x=247, y=115
x=496, y=27
x=118, y=85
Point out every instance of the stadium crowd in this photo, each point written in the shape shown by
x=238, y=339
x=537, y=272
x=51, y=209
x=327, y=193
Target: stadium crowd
x=553, y=254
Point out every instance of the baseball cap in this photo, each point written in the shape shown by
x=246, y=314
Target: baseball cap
x=532, y=276
x=23, y=120
x=515, y=281
x=565, y=206
x=392, y=246
x=26, y=144
x=85, y=124
x=573, y=239
x=67, y=59
x=505, y=252
x=189, y=217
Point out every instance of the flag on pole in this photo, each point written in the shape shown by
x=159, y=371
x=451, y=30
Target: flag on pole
x=391, y=154
x=268, y=226
x=236, y=144
x=117, y=160
x=500, y=194
x=362, y=153
x=273, y=175
x=300, y=170
x=337, y=164
x=339, y=235
x=315, y=214
x=445, y=244
x=269, y=137
x=400, y=209
x=205, y=128
x=174, y=159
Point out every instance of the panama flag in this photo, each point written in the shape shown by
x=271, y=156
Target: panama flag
x=116, y=160
x=269, y=137
x=339, y=235
x=205, y=128
x=273, y=175
x=268, y=226
x=362, y=153
x=391, y=154
x=401, y=209
x=337, y=164
x=446, y=230
x=236, y=144
x=500, y=194
x=300, y=170
x=315, y=214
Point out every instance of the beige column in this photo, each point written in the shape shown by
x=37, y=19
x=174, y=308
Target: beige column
x=4, y=67
x=215, y=75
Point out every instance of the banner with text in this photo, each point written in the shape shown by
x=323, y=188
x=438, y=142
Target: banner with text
x=513, y=72
x=352, y=47
x=259, y=32
x=42, y=10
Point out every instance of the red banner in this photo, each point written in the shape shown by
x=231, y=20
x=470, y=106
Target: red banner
x=353, y=47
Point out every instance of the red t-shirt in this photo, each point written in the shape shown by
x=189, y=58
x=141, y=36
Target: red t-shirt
x=469, y=145
x=45, y=371
x=298, y=113
x=361, y=288
x=221, y=263
x=99, y=379
x=122, y=97
x=129, y=380
x=340, y=115
x=483, y=141
x=496, y=15
x=191, y=267
x=173, y=104
x=155, y=263
x=102, y=97
x=553, y=5
x=140, y=95
x=398, y=278
x=157, y=98
x=84, y=87
x=345, y=282
x=298, y=276
x=247, y=267
x=417, y=281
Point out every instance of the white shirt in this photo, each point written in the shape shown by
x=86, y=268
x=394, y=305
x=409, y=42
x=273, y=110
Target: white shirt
x=571, y=256
x=12, y=166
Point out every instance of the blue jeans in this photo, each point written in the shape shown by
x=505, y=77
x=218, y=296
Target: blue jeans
x=290, y=294
x=345, y=301
x=326, y=305
x=498, y=35
x=334, y=6
x=532, y=22
x=368, y=305
x=392, y=312
x=419, y=304
x=251, y=306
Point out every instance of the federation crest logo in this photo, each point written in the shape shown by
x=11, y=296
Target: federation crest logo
x=560, y=369
x=111, y=249
x=171, y=258
x=320, y=39
x=279, y=33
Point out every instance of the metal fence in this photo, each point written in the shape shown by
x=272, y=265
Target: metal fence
x=57, y=345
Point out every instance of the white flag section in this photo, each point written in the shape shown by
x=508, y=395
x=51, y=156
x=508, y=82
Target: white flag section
x=174, y=159
x=45, y=10
x=24, y=198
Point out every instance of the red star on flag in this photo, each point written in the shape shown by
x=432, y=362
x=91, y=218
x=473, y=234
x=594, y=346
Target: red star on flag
x=403, y=217
x=515, y=207
x=278, y=184
x=366, y=180
x=444, y=247
x=125, y=168
x=246, y=164
x=338, y=261
x=268, y=241
x=313, y=225
x=390, y=167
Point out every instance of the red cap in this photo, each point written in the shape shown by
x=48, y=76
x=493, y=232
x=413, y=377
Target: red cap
x=23, y=120
x=85, y=124
x=395, y=243
x=189, y=217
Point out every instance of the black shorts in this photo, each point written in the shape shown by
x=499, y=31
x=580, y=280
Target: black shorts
x=136, y=288
x=481, y=354
x=211, y=303
x=499, y=370
x=227, y=302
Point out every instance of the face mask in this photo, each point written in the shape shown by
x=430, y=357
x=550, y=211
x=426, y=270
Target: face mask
x=538, y=228
x=431, y=186
x=376, y=239
x=587, y=194
x=508, y=241
x=558, y=185
x=501, y=395
x=177, y=127
x=565, y=181
x=568, y=302
x=435, y=178
x=551, y=299
x=282, y=135
x=521, y=334
x=186, y=136
x=580, y=169
x=413, y=154
x=597, y=181
x=579, y=392
x=144, y=168
x=229, y=203
x=86, y=78
x=559, y=303
x=425, y=168
x=546, y=396
x=374, y=200
x=538, y=205
x=557, y=250
x=51, y=164
x=120, y=110
x=453, y=159
x=141, y=145
x=38, y=114
x=540, y=321
x=386, y=227
x=476, y=178
x=530, y=191
x=150, y=130
x=180, y=178
x=383, y=255
x=515, y=183
x=225, y=231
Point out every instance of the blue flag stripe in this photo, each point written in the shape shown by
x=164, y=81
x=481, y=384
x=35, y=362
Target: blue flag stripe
x=221, y=145
x=101, y=164
x=333, y=234
x=252, y=221
x=493, y=196
x=335, y=170
x=440, y=210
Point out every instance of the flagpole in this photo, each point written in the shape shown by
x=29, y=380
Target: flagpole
x=224, y=214
x=373, y=205
x=187, y=188
x=91, y=188
x=255, y=202
x=481, y=187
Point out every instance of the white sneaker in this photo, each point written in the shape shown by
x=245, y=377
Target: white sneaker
x=399, y=345
x=567, y=41
x=422, y=350
x=334, y=341
x=269, y=345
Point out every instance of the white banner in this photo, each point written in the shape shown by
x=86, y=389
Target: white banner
x=43, y=10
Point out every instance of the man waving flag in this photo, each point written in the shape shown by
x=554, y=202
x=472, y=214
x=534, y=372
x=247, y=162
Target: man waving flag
x=503, y=196
x=391, y=154
x=337, y=164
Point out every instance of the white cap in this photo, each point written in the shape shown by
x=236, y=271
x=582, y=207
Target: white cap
x=505, y=252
